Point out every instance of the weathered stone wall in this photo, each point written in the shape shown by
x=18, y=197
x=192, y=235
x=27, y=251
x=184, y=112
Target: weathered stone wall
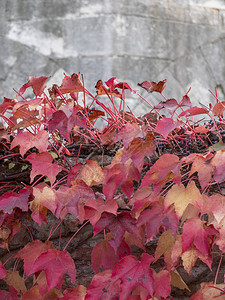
x=134, y=40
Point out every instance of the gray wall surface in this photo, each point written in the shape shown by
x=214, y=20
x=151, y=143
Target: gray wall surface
x=134, y=40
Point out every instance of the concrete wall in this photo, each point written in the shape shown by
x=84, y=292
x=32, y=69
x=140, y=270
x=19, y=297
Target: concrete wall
x=134, y=40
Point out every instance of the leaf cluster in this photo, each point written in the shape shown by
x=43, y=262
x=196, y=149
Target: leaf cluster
x=137, y=179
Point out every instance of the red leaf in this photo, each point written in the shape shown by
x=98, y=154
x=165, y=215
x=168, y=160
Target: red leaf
x=153, y=217
x=42, y=164
x=151, y=86
x=138, y=149
x=75, y=293
x=102, y=90
x=7, y=104
x=26, y=140
x=92, y=209
x=71, y=84
x=165, y=126
x=170, y=104
x=60, y=121
x=162, y=283
x=185, y=101
x=219, y=108
x=68, y=199
x=132, y=273
x=4, y=295
x=10, y=200
x=55, y=264
x=44, y=198
x=31, y=252
x=106, y=260
x=128, y=132
x=165, y=169
x=194, y=111
x=37, y=83
x=195, y=232
x=101, y=287
x=2, y=271
x=117, y=226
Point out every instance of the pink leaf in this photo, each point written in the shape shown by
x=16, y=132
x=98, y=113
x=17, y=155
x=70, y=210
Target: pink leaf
x=37, y=83
x=165, y=126
x=55, y=264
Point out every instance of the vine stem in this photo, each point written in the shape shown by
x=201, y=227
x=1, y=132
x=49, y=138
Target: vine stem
x=75, y=234
x=217, y=271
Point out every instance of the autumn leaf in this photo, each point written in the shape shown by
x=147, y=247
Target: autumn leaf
x=196, y=232
x=75, y=293
x=37, y=83
x=106, y=260
x=215, y=205
x=72, y=199
x=141, y=199
x=10, y=200
x=132, y=273
x=190, y=256
x=170, y=104
x=185, y=101
x=102, y=90
x=165, y=169
x=42, y=164
x=44, y=199
x=209, y=290
x=2, y=271
x=92, y=209
x=55, y=262
x=128, y=132
x=34, y=294
x=162, y=283
x=204, y=170
x=14, y=279
x=193, y=111
x=138, y=149
x=31, y=252
x=117, y=225
x=26, y=141
x=113, y=83
x=165, y=126
x=219, y=108
x=91, y=173
x=71, y=84
x=102, y=288
x=59, y=121
x=181, y=196
x=153, y=217
x=165, y=246
x=177, y=281
x=9, y=296
x=151, y=86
